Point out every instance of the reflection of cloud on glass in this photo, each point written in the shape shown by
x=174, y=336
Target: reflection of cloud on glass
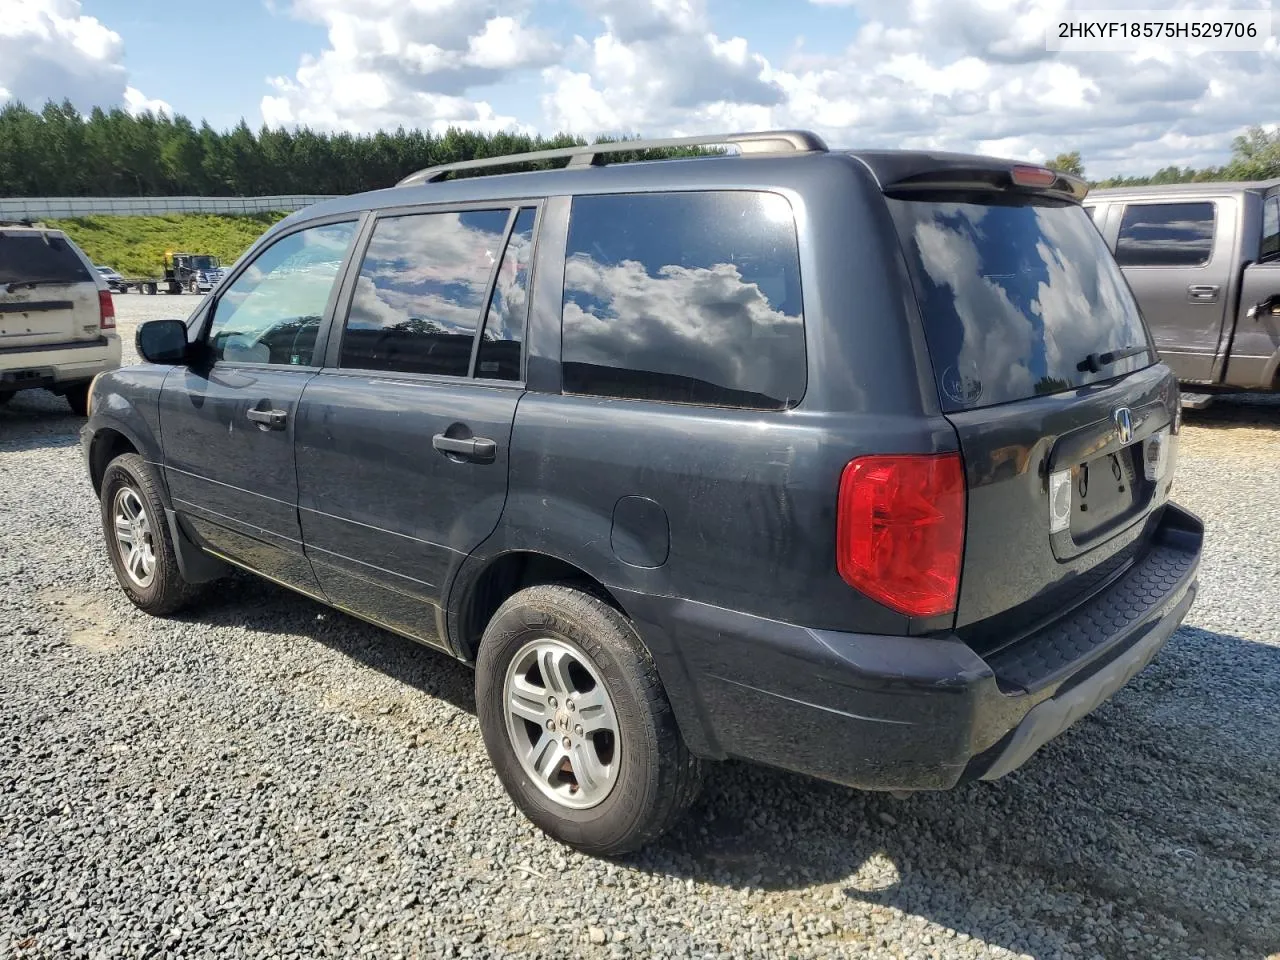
x=997, y=336
x=705, y=323
x=428, y=267
x=1083, y=298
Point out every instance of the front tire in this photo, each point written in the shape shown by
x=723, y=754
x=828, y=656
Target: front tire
x=138, y=540
x=577, y=723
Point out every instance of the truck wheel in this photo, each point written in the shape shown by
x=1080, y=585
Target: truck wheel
x=138, y=541
x=193, y=287
x=577, y=723
x=151, y=289
x=78, y=398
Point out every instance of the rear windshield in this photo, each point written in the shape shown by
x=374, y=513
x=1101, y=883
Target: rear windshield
x=33, y=256
x=1015, y=298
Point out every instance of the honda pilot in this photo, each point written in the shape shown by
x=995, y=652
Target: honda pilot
x=853, y=463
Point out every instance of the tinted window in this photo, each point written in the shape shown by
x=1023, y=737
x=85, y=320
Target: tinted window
x=1165, y=235
x=499, y=356
x=421, y=288
x=686, y=298
x=1271, y=228
x=1013, y=297
x=38, y=256
x=272, y=312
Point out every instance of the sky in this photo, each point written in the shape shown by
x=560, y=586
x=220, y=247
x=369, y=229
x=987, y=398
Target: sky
x=970, y=75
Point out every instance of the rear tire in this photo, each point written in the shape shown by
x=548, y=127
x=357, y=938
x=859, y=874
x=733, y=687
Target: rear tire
x=647, y=779
x=150, y=577
x=78, y=398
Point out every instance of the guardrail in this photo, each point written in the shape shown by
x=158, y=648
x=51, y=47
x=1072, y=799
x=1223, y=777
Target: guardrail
x=37, y=208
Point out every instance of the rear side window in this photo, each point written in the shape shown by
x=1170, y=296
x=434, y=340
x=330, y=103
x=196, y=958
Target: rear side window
x=1271, y=228
x=420, y=291
x=684, y=298
x=26, y=257
x=1014, y=298
x=1165, y=235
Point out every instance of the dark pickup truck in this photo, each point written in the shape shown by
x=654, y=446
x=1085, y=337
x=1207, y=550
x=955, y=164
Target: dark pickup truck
x=1203, y=259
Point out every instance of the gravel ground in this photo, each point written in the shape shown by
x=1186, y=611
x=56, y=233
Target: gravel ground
x=263, y=777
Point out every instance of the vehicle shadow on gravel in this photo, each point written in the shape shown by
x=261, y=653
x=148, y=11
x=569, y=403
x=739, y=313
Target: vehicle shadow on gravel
x=37, y=419
x=1255, y=411
x=1150, y=818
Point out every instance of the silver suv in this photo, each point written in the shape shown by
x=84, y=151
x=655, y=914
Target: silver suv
x=57, y=321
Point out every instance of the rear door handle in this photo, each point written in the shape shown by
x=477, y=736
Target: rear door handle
x=475, y=449
x=271, y=419
x=1202, y=292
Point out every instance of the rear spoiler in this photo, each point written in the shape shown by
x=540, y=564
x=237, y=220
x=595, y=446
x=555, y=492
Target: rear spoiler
x=918, y=172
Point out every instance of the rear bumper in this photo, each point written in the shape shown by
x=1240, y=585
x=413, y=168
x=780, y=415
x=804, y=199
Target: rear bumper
x=912, y=713
x=58, y=364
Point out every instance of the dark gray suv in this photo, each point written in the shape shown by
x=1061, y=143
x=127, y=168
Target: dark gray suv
x=852, y=463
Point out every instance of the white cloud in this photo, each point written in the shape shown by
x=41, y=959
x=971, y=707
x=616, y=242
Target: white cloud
x=969, y=75
x=50, y=50
x=390, y=63
x=136, y=102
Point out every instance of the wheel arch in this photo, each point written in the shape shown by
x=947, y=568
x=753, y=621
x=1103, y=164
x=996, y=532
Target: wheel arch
x=476, y=596
x=107, y=444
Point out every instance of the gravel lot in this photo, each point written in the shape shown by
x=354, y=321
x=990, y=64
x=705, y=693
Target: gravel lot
x=262, y=777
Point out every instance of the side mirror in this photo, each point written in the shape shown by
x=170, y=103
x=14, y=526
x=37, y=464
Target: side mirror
x=162, y=341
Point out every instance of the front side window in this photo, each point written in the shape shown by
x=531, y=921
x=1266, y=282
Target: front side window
x=420, y=291
x=272, y=312
x=684, y=298
x=1271, y=228
x=1166, y=235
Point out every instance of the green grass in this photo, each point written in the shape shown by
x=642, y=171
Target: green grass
x=136, y=245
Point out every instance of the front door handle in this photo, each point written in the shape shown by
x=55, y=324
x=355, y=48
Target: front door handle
x=475, y=449
x=269, y=419
x=1202, y=292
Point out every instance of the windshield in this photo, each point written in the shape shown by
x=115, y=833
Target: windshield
x=26, y=257
x=204, y=263
x=1016, y=298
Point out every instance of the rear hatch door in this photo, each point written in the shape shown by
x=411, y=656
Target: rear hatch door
x=1044, y=367
x=47, y=293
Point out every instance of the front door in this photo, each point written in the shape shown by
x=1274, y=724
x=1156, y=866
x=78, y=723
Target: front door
x=1178, y=257
x=228, y=422
x=1255, y=349
x=403, y=437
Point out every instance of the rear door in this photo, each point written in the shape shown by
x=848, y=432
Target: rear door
x=48, y=293
x=1043, y=366
x=1179, y=256
x=403, y=438
x=228, y=423
x=1255, y=347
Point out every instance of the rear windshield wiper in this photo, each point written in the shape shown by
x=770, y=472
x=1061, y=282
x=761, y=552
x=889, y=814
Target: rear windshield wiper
x=1094, y=362
x=13, y=285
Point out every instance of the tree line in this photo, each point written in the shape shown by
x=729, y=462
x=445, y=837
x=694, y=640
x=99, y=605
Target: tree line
x=57, y=151
x=1255, y=155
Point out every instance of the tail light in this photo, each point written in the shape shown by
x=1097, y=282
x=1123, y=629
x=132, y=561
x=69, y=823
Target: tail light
x=106, y=311
x=900, y=531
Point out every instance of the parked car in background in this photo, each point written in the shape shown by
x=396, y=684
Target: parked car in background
x=853, y=463
x=115, y=282
x=1203, y=259
x=57, y=320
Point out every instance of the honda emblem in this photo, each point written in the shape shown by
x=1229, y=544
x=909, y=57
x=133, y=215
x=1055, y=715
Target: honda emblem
x=1124, y=425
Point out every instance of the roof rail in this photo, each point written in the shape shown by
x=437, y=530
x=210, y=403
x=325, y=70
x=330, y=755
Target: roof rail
x=767, y=142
